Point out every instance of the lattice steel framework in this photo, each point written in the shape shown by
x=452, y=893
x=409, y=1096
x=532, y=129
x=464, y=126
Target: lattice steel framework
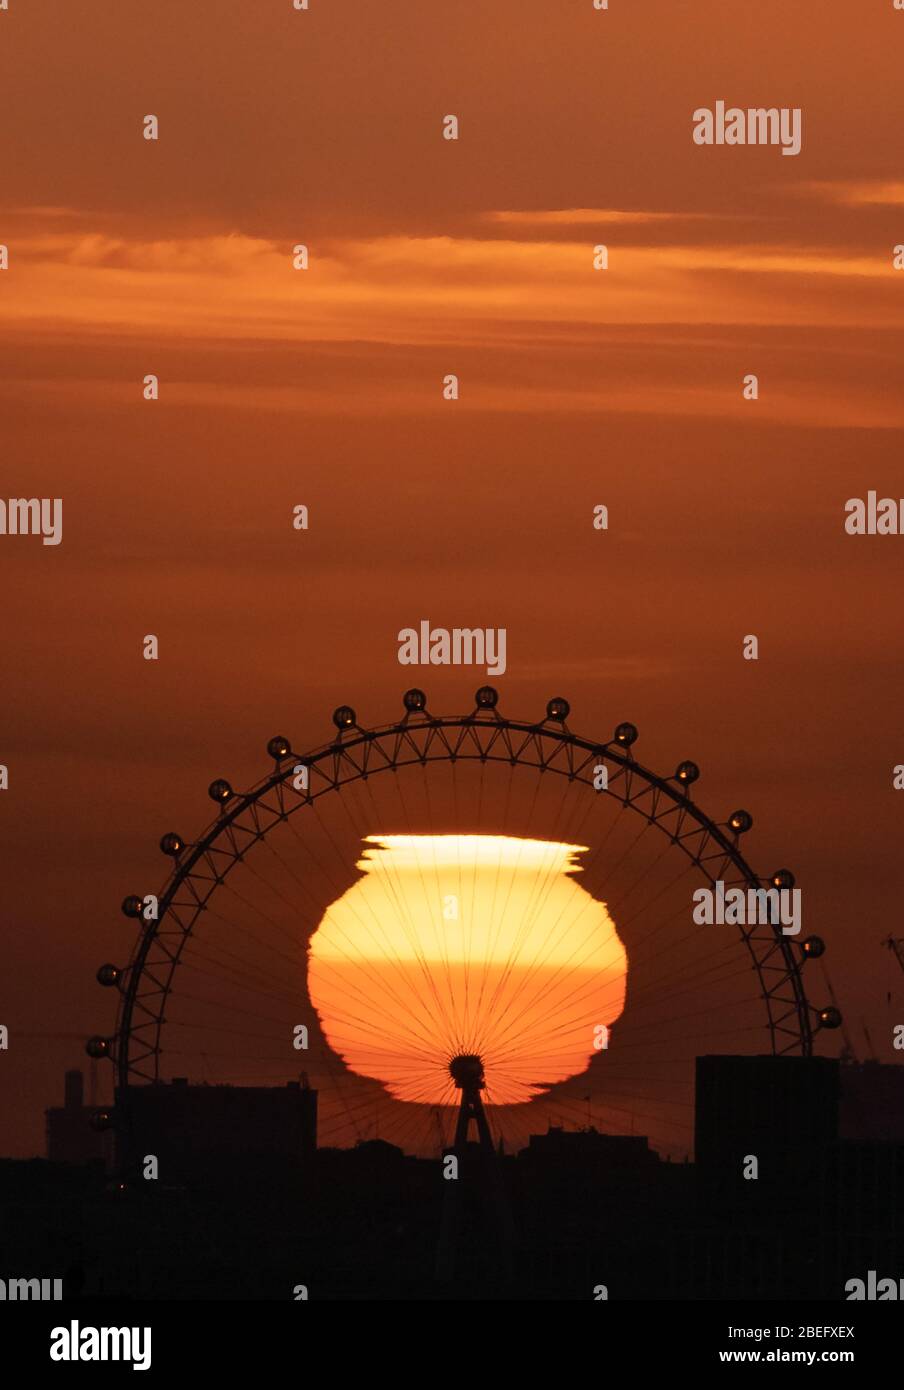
x=422, y=738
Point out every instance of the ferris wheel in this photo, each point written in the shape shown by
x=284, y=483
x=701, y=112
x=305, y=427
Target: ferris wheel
x=459, y=893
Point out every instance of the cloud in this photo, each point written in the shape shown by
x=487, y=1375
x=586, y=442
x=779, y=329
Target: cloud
x=422, y=290
x=854, y=193
x=556, y=334
x=580, y=217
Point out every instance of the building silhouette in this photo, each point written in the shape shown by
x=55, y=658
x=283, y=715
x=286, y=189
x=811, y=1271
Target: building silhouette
x=200, y=1133
x=70, y=1135
x=588, y=1209
x=872, y=1101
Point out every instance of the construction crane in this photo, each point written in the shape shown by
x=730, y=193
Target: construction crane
x=869, y=1042
x=896, y=944
x=848, y=1053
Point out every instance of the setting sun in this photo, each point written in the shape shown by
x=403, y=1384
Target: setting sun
x=466, y=944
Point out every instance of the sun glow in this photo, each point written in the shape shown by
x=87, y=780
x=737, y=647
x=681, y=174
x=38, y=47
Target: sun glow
x=453, y=944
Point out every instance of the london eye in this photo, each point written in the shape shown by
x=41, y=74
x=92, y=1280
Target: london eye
x=458, y=896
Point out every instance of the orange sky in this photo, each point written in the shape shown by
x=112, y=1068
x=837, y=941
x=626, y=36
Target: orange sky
x=323, y=387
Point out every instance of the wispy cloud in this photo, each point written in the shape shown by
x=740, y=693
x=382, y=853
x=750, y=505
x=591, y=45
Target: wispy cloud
x=423, y=290
x=597, y=340
x=587, y=217
x=858, y=193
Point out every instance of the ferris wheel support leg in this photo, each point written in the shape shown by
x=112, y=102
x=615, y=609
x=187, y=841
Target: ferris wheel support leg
x=479, y=1180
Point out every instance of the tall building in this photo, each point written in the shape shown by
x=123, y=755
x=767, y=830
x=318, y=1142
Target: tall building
x=784, y=1101
x=872, y=1101
x=763, y=1125
x=70, y=1137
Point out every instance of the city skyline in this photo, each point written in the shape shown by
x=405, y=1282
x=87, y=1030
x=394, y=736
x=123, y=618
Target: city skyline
x=580, y=387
